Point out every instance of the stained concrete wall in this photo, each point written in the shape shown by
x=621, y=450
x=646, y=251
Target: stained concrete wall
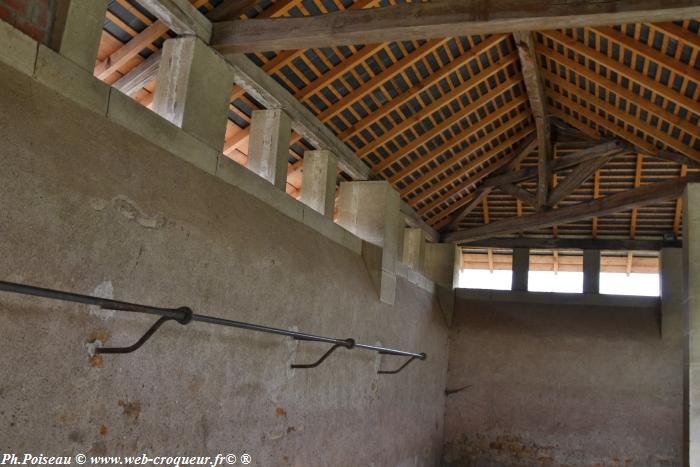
x=87, y=206
x=550, y=379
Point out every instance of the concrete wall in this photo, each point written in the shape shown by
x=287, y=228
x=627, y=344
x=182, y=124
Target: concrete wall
x=548, y=382
x=88, y=206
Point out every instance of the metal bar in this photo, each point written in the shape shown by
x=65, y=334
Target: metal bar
x=393, y=372
x=267, y=329
x=384, y=350
x=105, y=303
x=184, y=315
x=138, y=343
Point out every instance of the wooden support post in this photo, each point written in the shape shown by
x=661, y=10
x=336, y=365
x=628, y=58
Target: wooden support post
x=521, y=269
x=77, y=30
x=194, y=85
x=269, y=145
x=318, y=182
x=591, y=271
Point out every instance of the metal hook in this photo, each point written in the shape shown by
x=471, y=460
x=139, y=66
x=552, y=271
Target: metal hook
x=348, y=344
x=393, y=372
x=186, y=318
x=138, y=343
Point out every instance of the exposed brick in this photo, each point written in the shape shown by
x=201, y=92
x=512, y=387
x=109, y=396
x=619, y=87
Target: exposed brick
x=30, y=29
x=20, y=7
x=32, y=17
x=6, y=14
x=41, y=14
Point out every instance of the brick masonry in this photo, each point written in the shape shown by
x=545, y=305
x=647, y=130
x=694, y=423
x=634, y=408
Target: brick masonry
x=33, y=17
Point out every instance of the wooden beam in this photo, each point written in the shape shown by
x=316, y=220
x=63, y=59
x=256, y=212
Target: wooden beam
x=610, y=244
x=525, y=41
x=564, y=130
x=144, y=39
x=480, y=196
x=119, y=58
x=140, y=75
x=461, y=186
x=521, y=152
x=607, y=205
x=180, y=16
x=231, y=9
x=638, y=169
x=527, y=145
x=446, y=18
x=519, y=193
x=678, y=214
x=640, y=145
x=576, y=178
x=608, y=148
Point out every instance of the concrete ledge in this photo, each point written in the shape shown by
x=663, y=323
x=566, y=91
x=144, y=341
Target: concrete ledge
x=554, y=299
x=384, y=281
x=17, y=49
x=233, y=173
x=126, y=112
x=415, y=277
x=330, y=229
x=71, y=81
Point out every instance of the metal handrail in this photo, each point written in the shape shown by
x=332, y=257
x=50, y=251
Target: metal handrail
x=185, y=315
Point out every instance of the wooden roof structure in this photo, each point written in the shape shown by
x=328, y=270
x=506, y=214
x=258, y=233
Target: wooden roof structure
x=525, y=134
